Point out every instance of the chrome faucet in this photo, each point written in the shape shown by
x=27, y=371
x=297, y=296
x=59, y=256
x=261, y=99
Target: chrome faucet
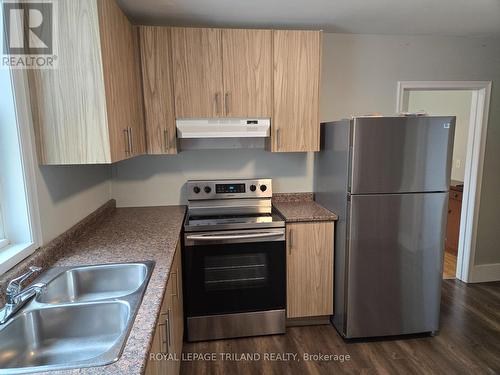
x=18, y=297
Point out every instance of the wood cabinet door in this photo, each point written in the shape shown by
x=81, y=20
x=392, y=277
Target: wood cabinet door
x=157, y=86
x=247, y=72
x=309, y=269
x=121, y=71
x=69, y=103
x=177, y=306
x=297, y=68
x=154, y=367
x=162, y=339
x=453, y=224
x=197, y=68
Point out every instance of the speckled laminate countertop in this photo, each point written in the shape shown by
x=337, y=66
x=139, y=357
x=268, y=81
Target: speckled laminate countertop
x=131, y=235
x=300, y=207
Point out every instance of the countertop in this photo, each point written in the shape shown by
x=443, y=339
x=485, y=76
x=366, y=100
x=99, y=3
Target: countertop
x=300, y=207
x=457, y=185
x=131, y=235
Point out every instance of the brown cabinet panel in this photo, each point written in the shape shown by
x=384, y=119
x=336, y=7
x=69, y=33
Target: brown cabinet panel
x=197, y=67
x=453, y=224
x=157, y=85
x=169, y=332
x=309, y=269
x=121, y=71
x=89, y=109
x=247, y=72
x=297, y=67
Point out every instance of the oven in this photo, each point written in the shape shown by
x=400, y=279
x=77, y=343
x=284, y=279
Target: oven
x=234, y=276
x=234, y=261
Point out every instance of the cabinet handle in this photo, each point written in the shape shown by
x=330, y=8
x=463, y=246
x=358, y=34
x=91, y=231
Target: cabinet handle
x=291, y=242
x=165, y=139
x=131, y=140
x=278, y=132
x=174, y=274
x=168, y=330
x=163, y=335
x=226, y=102
x=177, y=283
x=217, y=97
x=127, y=142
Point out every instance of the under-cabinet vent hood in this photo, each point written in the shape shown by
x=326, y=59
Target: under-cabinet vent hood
x=223, y=128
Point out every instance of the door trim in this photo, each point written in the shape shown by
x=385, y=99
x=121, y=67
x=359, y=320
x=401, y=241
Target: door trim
x=467, y=270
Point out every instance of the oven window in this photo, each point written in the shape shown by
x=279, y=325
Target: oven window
x=230, y=272
x=234, y=278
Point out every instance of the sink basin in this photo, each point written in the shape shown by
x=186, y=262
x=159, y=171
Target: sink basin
x=82, y=319
x=94, y=283
x=62, y=334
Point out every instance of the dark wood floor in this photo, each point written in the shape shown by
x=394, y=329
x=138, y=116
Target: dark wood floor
x=468, y=343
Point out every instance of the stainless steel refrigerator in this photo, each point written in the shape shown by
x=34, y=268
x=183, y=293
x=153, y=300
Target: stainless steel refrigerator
x=388, y=179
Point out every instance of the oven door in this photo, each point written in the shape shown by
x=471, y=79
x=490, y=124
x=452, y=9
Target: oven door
x=237, y=271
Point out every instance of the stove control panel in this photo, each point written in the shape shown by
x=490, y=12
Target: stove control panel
x=227, y=189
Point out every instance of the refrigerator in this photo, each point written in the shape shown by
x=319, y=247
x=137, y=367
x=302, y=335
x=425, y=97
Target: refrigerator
x=387, y=178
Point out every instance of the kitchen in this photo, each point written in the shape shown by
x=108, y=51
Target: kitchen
x=358, y=76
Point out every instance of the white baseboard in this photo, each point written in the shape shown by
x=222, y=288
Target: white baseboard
x=484, y=272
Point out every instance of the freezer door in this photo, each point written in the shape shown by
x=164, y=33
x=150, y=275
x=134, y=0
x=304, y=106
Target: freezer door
x=395, y=262
x=401, y=154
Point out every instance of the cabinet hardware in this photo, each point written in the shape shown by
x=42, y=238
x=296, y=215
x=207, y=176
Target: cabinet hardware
x=131, y=140
x=278, y=132
x=175, y=274
x=291, y=242
x=177, y=283
x=217, y=99
x=127, y=142
x=165, y=139
x=164, y=334
x=226, y=102
x=168, y=330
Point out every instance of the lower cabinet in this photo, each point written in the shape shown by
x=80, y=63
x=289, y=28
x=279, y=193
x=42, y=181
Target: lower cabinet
x=309, y=269
x=169, y=332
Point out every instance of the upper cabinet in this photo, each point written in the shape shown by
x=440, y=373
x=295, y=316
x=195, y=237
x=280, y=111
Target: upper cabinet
x=297, y=67
x=197, y=66
x=89, y=109
x=158, y=89
x=247, y=72
x=222, y=72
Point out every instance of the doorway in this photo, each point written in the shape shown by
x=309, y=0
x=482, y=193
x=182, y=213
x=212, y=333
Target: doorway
x=468, y=101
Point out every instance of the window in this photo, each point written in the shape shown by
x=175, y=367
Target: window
x=19, y=221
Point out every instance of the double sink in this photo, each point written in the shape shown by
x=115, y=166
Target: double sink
x=81, y=319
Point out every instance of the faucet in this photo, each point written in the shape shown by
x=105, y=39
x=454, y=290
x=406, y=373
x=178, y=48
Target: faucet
x=18, y=297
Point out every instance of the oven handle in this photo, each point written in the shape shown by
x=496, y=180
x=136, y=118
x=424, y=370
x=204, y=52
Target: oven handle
x=233, y=237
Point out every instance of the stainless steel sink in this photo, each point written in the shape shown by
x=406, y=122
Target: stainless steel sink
x=95, y=283
x=82, y=319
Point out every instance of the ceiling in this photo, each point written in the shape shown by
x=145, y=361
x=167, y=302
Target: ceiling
x=435, y=17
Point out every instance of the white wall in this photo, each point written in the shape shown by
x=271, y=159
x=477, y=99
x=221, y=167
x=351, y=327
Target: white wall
x=67, y=194
x=160, y=180
x=447, y=103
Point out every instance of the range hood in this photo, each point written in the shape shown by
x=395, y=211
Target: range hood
x=223, y=128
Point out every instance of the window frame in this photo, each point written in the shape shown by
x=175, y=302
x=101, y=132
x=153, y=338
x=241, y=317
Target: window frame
x=13, y=253
x=3, y=238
